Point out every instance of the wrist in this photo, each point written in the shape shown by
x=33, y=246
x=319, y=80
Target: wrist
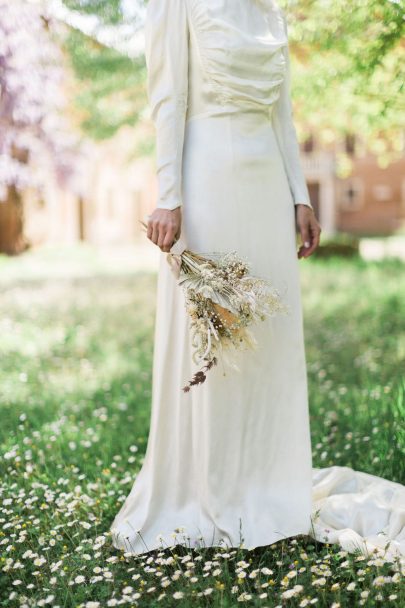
x=308, y=205
x=169, y=207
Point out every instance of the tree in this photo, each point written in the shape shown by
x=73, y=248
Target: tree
x=348, y=70
x=111, y=90
x=347, y=60
x=111, y=86
x=31, y=134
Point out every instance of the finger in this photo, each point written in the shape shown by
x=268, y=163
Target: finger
x=163, y=230
x=315, y=231
x=305, y=238
x=305, y=235
x=302, y=252
x=168, y=240
x=155, y=232
x=149, y=228
x=177, y=235
x=317, y=237
x=310, y=249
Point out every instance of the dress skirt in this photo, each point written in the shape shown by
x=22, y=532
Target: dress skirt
x=229, y=462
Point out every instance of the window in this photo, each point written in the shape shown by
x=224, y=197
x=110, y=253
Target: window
x=382, y=192
x=352, y=195
x=308, y=145
x=350, y=143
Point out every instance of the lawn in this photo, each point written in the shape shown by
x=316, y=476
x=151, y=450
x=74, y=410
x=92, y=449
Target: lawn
x=75, y=387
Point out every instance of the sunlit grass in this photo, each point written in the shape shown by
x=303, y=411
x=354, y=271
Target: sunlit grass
x=75, y=385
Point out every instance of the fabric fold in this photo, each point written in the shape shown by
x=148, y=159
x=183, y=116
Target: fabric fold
x=245, y=67
x=359, y=511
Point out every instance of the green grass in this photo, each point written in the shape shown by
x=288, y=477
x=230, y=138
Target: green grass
x=75, y=386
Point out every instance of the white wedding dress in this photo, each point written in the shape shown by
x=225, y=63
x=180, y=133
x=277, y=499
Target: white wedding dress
x=230, y=461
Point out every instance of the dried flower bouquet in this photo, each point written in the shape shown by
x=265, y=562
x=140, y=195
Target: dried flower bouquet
x=222, y=300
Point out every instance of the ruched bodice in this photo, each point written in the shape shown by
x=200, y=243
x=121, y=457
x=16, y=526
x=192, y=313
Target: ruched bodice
x=217, y=58
x=237, y=59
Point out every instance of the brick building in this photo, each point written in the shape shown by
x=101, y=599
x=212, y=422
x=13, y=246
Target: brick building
x=370, y=201
x=119, y=193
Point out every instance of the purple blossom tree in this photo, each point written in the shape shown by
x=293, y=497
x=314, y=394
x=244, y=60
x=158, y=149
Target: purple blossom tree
x=32, y=137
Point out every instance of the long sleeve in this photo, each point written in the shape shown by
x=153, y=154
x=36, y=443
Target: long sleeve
x=166, y=54
x=283, y=124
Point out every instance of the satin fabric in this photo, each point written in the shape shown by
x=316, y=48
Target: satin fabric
x=217, y=58
x=229, y=462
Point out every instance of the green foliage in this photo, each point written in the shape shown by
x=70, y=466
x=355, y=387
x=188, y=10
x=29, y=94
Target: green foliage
x=348, y=76
x=75, y=389
x=110, y=11
x=112, y=86
x=348, y=69
x=355, y=343
x=341, y=244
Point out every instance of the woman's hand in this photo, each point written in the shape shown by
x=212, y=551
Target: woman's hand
x=309, y=228
x=164, y=227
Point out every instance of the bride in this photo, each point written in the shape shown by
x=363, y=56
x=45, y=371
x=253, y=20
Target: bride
x=229, y=462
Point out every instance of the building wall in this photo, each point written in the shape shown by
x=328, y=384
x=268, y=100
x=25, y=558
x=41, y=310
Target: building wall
x=371, y=201
x=378, y=205
x=118, y=192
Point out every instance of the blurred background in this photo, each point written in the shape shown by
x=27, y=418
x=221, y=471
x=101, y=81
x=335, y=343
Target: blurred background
x=77, y=144
x=78, y=275
x=77, y=174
